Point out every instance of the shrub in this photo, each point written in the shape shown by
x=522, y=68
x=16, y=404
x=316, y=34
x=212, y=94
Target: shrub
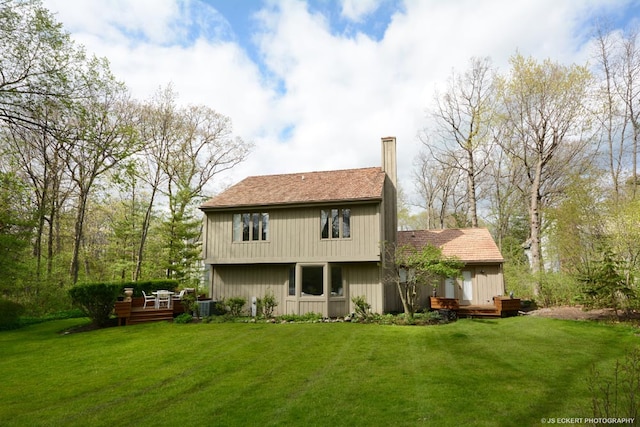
x=308, y=317
x=267, y=305
x=557, y=289
x=235, y=305
x=10, y=314
x=221, y=308
x=183, y=318
x=619, y=396
x=96, y=300
x=362, y=307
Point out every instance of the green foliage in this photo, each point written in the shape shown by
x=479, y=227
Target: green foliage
x=266, y=305
x=604, y=286
x=424, y=267
x=16, y=225
x=305, y=318
x=96, y=300
x=557, y=289
x=236, y=304
x=616, y=394
x=10, y=313
x=362, y=307
x=183, y=318
x=519, y=280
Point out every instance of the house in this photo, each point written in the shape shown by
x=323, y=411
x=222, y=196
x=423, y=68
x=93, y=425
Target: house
x=315, y=240
x=482, y=276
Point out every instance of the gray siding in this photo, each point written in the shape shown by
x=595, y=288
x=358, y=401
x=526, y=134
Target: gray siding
x=248, y=281
x=294, y=236
x=486, y=281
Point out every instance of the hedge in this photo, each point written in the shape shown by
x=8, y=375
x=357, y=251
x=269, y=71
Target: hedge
x=96, y=300
x=10, y=314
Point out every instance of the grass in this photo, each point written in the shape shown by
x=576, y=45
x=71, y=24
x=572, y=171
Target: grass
x=472, y=372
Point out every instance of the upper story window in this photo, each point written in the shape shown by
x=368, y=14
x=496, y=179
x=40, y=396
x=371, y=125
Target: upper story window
x=250, y=227
x=335, y=223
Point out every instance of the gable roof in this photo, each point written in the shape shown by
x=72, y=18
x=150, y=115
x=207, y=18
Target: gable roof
x=312, y=187
x=470, y=245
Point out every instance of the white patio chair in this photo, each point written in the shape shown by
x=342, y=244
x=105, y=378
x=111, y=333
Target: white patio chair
x=164, y=300
x=148, y=298
x=178, y=297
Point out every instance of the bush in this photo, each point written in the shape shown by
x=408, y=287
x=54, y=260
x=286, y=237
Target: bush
x=558, y=289
x=183, y=318
x=619, y=395
x=362, y=307
x=235, y=305
x=267, y=305
x=96, y=300
x=308, y=317
x=10, y=314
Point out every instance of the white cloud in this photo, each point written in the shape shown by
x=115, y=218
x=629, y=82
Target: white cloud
x=355, y=10
x=338, y=95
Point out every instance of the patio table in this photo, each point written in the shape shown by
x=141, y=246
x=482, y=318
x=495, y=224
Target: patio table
x=163, y=295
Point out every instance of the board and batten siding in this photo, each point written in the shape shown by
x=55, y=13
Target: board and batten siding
x=249, y=281
x=294, y=236
x=364, y=280
x=486, y=282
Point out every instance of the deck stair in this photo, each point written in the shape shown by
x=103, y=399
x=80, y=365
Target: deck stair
x=141, y=315
x=501, y=307
x=133, y=312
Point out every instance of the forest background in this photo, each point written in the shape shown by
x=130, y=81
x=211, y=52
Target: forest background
x=96, y=185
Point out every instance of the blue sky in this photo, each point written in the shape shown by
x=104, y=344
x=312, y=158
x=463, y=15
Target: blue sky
x=316, y=84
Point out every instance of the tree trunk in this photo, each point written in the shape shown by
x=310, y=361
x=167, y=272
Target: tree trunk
x=146, y=222
x=471, y=193
x=77, y=241
x=535, y=224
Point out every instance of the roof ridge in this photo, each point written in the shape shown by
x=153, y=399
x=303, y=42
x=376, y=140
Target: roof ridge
x=313, y=172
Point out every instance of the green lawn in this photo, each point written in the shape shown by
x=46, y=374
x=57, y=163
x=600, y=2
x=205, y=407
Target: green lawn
x=472, y=372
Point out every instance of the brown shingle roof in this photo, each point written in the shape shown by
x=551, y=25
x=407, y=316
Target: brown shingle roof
x=471, y=245
x=310, y=187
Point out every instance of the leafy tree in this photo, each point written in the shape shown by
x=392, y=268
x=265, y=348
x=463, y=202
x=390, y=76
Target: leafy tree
x=104, y=137
x=413, y=269
x=16, y=224
x=547, y=131
x=604, y=286
x=36, y=56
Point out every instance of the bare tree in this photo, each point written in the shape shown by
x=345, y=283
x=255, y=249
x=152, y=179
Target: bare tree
x=464, y=116
x=205, y=147
x=618, y=59
x=438, y=186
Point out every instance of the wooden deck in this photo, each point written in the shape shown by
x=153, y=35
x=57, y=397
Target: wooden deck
x=501, y=307
x=134, y=312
